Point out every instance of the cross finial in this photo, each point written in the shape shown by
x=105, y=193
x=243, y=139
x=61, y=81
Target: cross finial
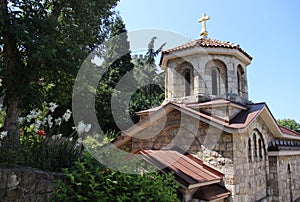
x=203, y=20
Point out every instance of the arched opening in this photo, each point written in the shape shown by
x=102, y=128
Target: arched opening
x=214, y=82
x=187, y=77
x=260, y=149
x=240, y=75
x=290, y=183
x=184, y=80
x=249, y=150
x=255, y=147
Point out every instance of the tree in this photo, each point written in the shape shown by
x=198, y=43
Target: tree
x=118, y=64
x=43, y=44
x=290, y=124
x=145, y=72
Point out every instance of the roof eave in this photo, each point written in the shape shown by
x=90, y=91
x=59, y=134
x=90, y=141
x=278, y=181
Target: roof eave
x=166, y=56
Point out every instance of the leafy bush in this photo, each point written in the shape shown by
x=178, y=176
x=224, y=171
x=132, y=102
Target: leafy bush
x=90, y=181
x=45, y=154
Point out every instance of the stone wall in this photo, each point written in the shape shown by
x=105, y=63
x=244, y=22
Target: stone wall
x=201, y=81
x=251, y=176
x=285, y=178
x=26, y=185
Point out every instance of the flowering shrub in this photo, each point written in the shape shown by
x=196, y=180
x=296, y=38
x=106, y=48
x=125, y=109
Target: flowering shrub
x=41, y=144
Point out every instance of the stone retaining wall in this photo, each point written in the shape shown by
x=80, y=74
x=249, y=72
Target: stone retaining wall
x=27, y=184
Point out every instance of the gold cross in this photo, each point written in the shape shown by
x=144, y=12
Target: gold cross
x=203, y=20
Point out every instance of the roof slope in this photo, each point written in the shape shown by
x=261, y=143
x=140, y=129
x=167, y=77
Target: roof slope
x=209, y=43
x=237, y=124
x=190, y=172
x=187, y=171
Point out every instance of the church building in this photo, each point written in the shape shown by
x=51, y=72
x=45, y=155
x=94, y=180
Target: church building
x=219, y=145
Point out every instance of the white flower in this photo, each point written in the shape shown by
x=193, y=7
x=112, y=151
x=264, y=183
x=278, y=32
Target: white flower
x=58, y=121
x=56, y=137
x=82, y=127
x=28, y=118
x=79, y=142
x=87, y=128
x=21, y=119
x=34, y=114
x=1, y=105
x=37, y=126
x=71, y=139
x=50, y=123
x=45, y=120
x=67, y=115
x=52, y=106
x=3, y=134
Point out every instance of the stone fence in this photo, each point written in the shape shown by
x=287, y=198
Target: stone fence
x=27, y=184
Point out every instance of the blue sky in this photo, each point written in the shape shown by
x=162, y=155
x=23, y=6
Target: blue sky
x=267, y=30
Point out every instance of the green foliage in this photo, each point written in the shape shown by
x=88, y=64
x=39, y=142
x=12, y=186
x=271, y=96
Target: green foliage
x=90, y=181
x=40, y=152
x=289, y=123
x=2, y=118
x=43, y=44
x=117, y=59
x=151, y=95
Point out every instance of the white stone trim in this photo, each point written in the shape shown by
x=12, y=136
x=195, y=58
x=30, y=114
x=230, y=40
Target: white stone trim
x=284, y=153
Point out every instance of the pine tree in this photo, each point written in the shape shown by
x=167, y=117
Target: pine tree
x=117, y=59
x=145, y=72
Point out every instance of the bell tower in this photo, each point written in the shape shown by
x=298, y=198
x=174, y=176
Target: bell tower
x=206, y=69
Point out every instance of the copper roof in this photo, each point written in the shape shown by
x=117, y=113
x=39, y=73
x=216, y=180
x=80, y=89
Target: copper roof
x=188, y=172
x=211, y=192
x=209, y=43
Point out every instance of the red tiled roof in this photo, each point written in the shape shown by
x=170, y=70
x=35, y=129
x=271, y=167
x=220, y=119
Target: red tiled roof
x=207, y=42
x=187, y=171
x=288, y=131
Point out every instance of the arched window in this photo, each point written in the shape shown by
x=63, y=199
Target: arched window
x=290, y=182
x=249, y=150
x=184, y=80
x=255, y=147
x=240, y=75
x=187, y=77
x=214, y=82
x=260, y=149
